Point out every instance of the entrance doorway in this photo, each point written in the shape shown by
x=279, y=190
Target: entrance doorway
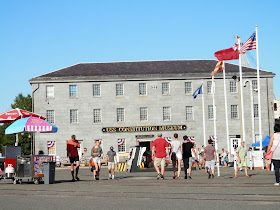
x=234, y=143
x=147, y=156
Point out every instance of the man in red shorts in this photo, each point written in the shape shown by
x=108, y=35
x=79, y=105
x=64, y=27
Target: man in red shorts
x=159, y=153
x=72, y=153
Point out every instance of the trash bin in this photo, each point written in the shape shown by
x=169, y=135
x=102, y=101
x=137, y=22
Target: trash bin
x=49, y=172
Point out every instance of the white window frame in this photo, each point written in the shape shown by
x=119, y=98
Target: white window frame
x=96, y=87
x=49, y=91
x=73, y=94
x=233, y=87
x=209, y=87
x=143, y=114
x=165, y=88
x=166, y=113
x=97, y=116
x=50, y=114
x=119, y=89
x=142, y=89
x=73, y=120
x=189, y=115
x=188, y=89
x=120, y=115
x=234, y=111
x=255, y=85
x=210, y=112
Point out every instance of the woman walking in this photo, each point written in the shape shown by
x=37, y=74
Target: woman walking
x=176, y=155
x=275, y=147
x=97, y=154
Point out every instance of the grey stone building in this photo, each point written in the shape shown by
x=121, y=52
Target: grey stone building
x=130, y=102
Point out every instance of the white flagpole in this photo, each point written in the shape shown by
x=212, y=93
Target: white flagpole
x=259, y=91
x=215, y=129
x=226, y=108
x=203, y=112
x=241, y=93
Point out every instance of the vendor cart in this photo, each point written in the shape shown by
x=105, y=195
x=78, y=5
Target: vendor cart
x=31, y=167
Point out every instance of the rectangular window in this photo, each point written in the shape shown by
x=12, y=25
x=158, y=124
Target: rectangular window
x=234, y=111
x=166, y=113
x=143, y=113
x=255, y=84
x=189, y=113
x=51, y=148
x=165, y=88
x=120, y=114
x=121, y=145
x=119, y=89
x=50, y=116
x=142, y=89
x=50, y=91
x=209, y=87
x=97, y=116
x=73, y=91
x=233, y=87
x=188, y=87
x=96, y=90
x=256, y=110
x=210, y=112
x=73, y=116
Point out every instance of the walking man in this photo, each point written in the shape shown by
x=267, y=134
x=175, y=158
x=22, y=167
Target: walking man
x=111, y=159
x=159, y=153
x=72, y=153
x=211, y=159
x=187, y=149
x=241, y=153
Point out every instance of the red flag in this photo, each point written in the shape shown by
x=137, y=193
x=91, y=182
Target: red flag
x=228, y=54
x=219, y=66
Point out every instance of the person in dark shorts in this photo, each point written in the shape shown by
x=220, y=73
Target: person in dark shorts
x=187, y=147
x=72, y=153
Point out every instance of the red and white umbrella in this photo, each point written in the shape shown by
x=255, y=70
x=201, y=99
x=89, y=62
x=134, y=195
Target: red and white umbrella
x=15, y=114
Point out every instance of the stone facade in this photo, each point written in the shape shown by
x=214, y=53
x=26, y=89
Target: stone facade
x=85, y=129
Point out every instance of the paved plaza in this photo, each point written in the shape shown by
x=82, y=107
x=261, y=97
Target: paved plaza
x=141, y=190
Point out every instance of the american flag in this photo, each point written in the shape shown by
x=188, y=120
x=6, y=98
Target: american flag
x=250, y=44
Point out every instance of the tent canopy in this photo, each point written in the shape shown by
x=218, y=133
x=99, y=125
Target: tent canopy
x=265, y=142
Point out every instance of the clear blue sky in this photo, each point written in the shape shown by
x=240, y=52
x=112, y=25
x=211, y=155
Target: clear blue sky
x=37, y=37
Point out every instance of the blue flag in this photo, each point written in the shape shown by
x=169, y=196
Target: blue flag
x=197, y=91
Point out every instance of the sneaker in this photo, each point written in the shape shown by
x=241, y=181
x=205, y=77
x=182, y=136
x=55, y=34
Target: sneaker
x=190, y=177
x=212, y=176
x=77, y=178
x=113, y=176
x=186, y=177
x=158, y=176
x=161, y=177
x=276, y=184
x=73, y=180
x=174, y=177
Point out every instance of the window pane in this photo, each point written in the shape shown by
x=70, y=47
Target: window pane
x=96, y=90
x=234, y=112
x=188, y=87
x=165, y=88
x=73, y=90
x=209, y=86
x=50, y=116
x=142, y=89
x=143, y=113
x=73, y=116
x=119, y=89
x=210, y=112
x=255, y=84
x=97, y=116
x=120, y=114
x=50, y=91
x=256, y=110
x=166, y=113
x=189, y=113
x=232, y=87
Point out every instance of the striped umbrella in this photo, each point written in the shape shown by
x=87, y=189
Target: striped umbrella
x=31, y=125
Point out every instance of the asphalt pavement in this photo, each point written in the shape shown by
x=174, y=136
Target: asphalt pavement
x=141, y=190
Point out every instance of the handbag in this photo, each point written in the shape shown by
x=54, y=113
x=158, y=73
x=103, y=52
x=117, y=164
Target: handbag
x=269, y=155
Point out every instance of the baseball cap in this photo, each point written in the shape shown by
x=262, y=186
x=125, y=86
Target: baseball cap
x=111, y=147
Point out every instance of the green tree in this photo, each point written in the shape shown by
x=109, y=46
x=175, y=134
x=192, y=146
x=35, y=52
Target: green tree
x=24, y=103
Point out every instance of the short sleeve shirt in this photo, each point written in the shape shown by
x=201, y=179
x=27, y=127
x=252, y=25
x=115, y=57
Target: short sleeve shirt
x=96, y=150
x=241, y=152
x=209, y=151
x=187, y=150
x=72, y=146
x=111, y=155
x=160, y=144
